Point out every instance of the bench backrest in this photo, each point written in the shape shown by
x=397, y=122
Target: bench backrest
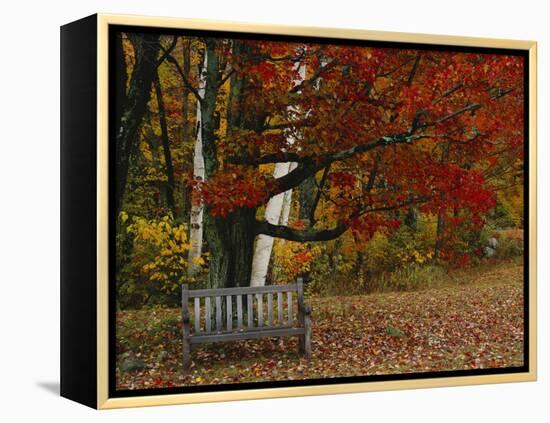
x=216, y=310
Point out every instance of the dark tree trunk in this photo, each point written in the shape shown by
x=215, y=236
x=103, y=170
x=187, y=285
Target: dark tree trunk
x=231, y=238
x=231, y=243
x=166, y=148
x=132, y=108
x=411, y=218
x=307, y=191
x=439, y=235
x=234, y=105
x=334, y=259
x=318, y=195
x=208, y=109
x=121, y=75
x=153, y=142
x=359, y=268
x=187, y=127
x=309, y=198
x=225, y=252
x=439, y=238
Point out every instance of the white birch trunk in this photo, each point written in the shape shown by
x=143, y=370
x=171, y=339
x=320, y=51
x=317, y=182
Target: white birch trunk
x=264, y=243
x=197, y=210
x=276, y=212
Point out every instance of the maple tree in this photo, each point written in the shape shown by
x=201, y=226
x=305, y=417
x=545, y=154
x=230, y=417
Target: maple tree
x=396, y=127
x=375, y=133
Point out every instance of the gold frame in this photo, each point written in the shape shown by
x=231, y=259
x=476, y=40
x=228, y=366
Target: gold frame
x=103, y=401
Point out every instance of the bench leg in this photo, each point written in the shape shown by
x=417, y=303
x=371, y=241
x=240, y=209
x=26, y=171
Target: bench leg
x=186, y=355
x=307, y=337
x=185, y=328
x=301, y=344
x=304, y=341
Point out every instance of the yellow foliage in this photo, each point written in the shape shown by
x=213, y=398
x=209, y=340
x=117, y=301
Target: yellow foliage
x=292, y=259
x=123, y=216
x=163, y=248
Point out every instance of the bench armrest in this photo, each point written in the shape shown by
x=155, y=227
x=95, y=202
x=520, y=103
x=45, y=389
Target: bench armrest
x=307, y=309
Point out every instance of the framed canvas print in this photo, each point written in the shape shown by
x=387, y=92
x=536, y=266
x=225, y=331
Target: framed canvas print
x=254, y=211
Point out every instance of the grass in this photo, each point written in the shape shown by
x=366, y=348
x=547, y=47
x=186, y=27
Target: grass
x=472, y=319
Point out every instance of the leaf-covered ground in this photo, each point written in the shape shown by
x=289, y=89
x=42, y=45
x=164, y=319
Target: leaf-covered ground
x=477, y=322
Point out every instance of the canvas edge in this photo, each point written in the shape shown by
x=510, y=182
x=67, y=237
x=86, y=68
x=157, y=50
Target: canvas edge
x=103, y=400
x=533, y=187
x=78, y=337
x=102, y=213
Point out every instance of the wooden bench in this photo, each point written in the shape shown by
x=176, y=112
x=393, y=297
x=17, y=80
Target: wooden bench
x=244, y=319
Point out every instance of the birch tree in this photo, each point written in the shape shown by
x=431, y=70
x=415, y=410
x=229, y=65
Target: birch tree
x=197, y=208
x=276, y=212
x=264, y=243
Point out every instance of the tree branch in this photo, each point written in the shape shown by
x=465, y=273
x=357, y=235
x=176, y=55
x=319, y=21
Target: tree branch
x=469, y=108
x=373, y=173
x=450, y=91
x=279, y=157
x=186, y=82
x=501, y=93
x=226, y=77
x=300, y=235
x=318, y=195
x=167, y=51
x=302, y=53
x=322, y=161
x=388, y=73
x=309, y=166
x=414, y=70
x=316, y=75
x=312, y=235
x=284, y=125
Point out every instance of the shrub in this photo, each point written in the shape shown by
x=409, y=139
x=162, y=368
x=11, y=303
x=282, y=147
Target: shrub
x=346, y=266
x=412, y=277
x=385, y=253
x=509, y=247
x=505, y=215
x=292, y=259
x=152, y=261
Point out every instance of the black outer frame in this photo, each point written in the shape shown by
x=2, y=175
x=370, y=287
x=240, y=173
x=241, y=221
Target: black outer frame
x=79, y=211
x=79, y=60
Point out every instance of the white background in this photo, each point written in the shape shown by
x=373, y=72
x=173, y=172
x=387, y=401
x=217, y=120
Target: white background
x=29, y=210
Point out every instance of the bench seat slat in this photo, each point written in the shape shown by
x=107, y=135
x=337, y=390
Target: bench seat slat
x=221, y=337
